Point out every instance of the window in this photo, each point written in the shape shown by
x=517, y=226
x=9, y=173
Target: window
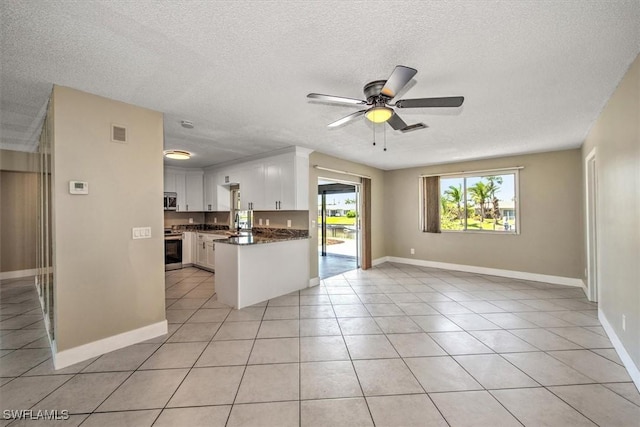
x=483, y=202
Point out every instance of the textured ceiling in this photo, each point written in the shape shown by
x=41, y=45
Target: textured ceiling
x=535, y=74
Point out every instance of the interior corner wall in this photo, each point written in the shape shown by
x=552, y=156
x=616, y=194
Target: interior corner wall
x=550, y=240
x=106, y=283
x=377, y=200
x=616, y=139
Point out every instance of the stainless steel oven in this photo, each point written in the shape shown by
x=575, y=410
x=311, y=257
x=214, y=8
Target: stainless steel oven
x=172, y=252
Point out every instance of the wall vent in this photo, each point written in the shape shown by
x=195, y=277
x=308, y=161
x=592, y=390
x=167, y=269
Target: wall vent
x=118, y=133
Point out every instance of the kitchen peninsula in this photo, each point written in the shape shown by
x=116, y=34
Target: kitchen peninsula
x=260, y=265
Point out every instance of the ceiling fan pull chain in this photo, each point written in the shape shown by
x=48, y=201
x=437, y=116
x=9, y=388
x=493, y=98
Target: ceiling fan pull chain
x=374, y=133
x=385, y=138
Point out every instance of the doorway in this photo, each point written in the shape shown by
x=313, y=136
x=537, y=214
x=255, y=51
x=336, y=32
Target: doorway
x=592, y=229
x=338, y=227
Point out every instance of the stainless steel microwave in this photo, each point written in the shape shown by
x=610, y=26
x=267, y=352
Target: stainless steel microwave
x=170, y=201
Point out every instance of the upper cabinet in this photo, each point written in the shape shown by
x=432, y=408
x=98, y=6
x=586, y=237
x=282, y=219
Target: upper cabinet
x=286, y=182
x=194, y=182
x=278, y=182
x=188, y=184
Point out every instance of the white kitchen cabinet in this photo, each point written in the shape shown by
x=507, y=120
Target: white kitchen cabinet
x=286, y=182
x=211, y=255
x=181, y=189
x=201, y=250
x=187, y=248
x=223, y=198
x=279, y=182
x=206, y=250
x=193, y=196
x=252, y=187
x=188, y=185
x=169, y=181
x=210, y=191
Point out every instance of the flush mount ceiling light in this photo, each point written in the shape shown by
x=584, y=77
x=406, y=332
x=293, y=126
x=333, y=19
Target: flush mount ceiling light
x=379, y=114
x=177, y=154
x=187, y=124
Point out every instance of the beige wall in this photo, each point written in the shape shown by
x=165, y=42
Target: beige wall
x=377, y=200
x=616, y=138
x=550, y=240
x=19, y=161
x=221, y=218
x=180, y=218
x=18, y=197
x=106, y=282
x=278, y=219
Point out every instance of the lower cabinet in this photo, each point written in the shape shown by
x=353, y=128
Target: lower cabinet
x=206, y=251
x=201, y=250
x=188, y=244
x=211, y=255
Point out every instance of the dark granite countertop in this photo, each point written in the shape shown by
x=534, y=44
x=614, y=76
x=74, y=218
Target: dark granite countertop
x=260, y=235
x=253, y=239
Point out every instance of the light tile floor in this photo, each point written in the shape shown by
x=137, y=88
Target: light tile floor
x=396, y=345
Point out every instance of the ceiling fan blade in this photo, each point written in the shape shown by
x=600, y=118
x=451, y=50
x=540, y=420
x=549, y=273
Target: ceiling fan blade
x=451, y=101
x=396, y=122
x=347, y=119
x=337, y=99
x=414, y=127
x=397, y=80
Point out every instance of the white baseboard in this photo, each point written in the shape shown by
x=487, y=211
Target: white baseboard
x=545, y=278
x=314, y=282
x=87, y=351
x=379, y=261
x=17, y=274
x=632, y=369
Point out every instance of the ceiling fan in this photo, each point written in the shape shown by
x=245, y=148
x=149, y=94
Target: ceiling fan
x=379, y=94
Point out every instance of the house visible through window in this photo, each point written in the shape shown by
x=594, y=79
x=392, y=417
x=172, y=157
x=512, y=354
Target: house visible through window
x=480, y=202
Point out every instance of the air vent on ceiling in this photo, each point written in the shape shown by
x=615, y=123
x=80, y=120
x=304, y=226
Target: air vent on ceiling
x=118, y=133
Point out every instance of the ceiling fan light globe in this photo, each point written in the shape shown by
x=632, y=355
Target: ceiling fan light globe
x=379, y=114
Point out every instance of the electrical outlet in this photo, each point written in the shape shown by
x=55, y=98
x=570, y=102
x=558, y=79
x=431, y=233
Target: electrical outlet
x=215, y=220
x=413, y=251
x=190, y=220
x=624, y=322
x=267, y=221
x=259, y=221
x=289, y=223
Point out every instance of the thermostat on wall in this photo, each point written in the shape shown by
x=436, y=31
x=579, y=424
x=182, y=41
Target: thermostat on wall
x=78, y=187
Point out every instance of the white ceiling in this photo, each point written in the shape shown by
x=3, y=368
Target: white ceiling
x=535, y=74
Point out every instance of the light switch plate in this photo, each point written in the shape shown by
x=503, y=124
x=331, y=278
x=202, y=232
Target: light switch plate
x=289, y=223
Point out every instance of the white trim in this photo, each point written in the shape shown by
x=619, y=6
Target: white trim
x=591, y=246
x=96, y=348
x=473, y=173
x=632, y=369
x=379, y=261
x=322, y=168
x=16, y=274
x=556, y=280
x=314, y=281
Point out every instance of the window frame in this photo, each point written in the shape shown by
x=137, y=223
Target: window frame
x=515, y=171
